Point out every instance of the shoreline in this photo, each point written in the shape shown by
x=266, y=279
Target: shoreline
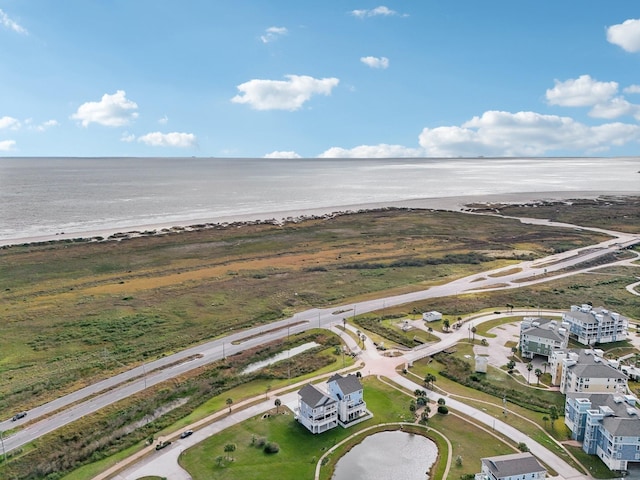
x=455, y=203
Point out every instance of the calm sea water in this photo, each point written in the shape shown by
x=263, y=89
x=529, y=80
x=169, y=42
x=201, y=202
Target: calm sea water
x=45, y=196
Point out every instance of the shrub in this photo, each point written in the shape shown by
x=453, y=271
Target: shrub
x=271, y=447
x=443, y=409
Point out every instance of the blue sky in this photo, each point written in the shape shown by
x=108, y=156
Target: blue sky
x=337, y=78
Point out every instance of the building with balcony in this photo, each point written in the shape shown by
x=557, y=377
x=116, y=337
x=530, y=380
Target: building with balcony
x=542, y=336
x=586, y=370
x=607, y=425
x=590, y=326
x=339, y=402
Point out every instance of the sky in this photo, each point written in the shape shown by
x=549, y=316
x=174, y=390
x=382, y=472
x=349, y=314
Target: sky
x=331, y=78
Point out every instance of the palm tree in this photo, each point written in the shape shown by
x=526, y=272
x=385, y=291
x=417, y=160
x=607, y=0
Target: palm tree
x=529, y=368
x=553, y=414
x=429, y=379
x=545, y=419
x=473, y=332
x=277, y=403
x=229, y=402
x=228, y=448
x=445, y=325
x=538, y=373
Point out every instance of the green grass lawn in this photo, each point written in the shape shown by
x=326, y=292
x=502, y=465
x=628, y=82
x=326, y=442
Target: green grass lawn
x=300, y=450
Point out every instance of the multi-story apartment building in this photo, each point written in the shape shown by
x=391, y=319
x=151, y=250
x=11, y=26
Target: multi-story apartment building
x=586, y=371
x=541, y=336
x=590, y=326
x=607, y=425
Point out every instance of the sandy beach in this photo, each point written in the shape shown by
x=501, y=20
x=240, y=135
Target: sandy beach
x=457, y=203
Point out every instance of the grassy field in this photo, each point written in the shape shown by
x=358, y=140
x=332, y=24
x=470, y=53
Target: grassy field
x=73, y=312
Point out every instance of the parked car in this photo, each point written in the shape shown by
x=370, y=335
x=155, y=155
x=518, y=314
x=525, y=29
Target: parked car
x=18, y=416
x=186, y=434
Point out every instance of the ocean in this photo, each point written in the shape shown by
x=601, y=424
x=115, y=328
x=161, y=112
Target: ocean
x=44, y=197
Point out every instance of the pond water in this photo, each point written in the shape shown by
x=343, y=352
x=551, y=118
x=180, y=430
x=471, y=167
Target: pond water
x=280, y=356
x=388, y=456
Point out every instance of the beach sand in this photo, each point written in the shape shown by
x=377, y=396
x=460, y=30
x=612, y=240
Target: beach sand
x=457, y=203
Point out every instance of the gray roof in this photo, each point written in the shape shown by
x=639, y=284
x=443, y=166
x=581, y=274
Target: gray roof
x=596, y=370
x=314, y=397
x=348, y=384
x=589, y=317
x=622, y=427
x=542, y=333
x=514, y=464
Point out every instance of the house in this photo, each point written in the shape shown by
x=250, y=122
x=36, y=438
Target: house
x=541, y=336
x=517, y=466
x=317, y=411
x=339, y=402
x=590, y=326
x=607, y=425
x=586, y=370
x=431, y=316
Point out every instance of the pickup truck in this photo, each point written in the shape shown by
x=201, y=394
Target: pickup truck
x=161, y=445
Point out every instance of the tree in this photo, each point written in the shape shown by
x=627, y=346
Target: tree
x=441, y=401
x=412, y=406
x=553, y=414
x=344, y=323
x=229, y=402
x=545, y=419
x=277, y=403
x=514, y=350
x=511, y=365
x=229, y=448
x=545, y=365
x=429, y=379
x=529, y=368
x=538, y=374
x=523, y=447
x=219, y=460
x=445, y=325
x=267, y=390
x=473, y=332
x=458, y=461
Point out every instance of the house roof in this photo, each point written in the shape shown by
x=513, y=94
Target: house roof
x=314, y=397
x=596, y=370
x=622, y=420
x=542, y=333
x=622, y=427
x=348, y=384
x=514, y=464
x=590, y=316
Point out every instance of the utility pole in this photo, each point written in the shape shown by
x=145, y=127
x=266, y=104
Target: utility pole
x=4, y=452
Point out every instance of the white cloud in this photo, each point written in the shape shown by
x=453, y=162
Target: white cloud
x=632, y=89
x=283, y=95
x=273, y=33
x=375, y=62
x=498, y=133
x=625, y=35
x=372, y=151
x=46, y=125
x=173, y=139
x=112, y=110
x=127, y=137
x=374, y=12
x=616, y=107
x=9, y=122
x=7, y=145
x=164, y=120
x=282, y=154
x=581, y=92
x=6, y=22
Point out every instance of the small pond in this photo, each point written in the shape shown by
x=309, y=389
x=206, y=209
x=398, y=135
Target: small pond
x=280, y=356
x=388, y=456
